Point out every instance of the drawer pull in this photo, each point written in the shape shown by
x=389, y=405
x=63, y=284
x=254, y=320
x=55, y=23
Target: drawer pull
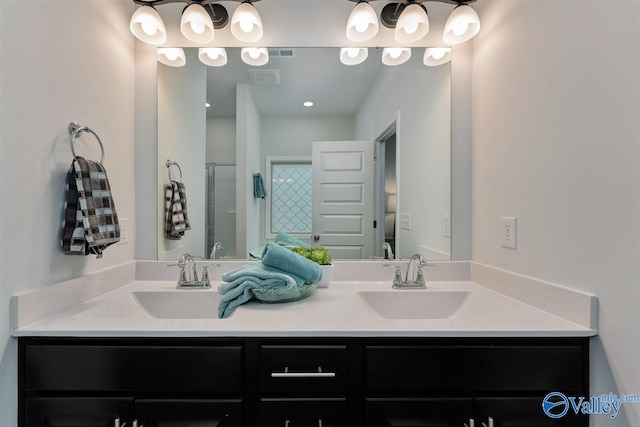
x=490, y=420
x=286, y=423
x=472, y=423
x=287, y=374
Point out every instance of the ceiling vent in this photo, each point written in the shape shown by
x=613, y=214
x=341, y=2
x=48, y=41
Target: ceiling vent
x=264, y=77
x=282, y=53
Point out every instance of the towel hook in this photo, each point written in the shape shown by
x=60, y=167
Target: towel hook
x=75, y=130
x=169, y=163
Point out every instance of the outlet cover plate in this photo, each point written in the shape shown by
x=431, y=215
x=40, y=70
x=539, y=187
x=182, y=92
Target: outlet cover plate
x=446, y=226
x=509, y=232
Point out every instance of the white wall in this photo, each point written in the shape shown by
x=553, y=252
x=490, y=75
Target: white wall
x=182, y=138
x=75, y=62
x=556, y=102
x=423, y=100
x=248, y=134
x=221, y=139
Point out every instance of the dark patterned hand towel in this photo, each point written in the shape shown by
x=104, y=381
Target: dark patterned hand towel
x=176, y=218
x=90, y=218
x=259, y=191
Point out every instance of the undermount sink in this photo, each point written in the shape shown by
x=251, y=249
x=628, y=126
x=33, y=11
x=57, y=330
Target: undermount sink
x=412, y=304
x=191, y=304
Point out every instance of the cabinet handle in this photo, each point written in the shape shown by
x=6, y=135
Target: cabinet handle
x=287, y=374
x=472, y=423
x=490, y=420
x=135, y=424
x=116, y=423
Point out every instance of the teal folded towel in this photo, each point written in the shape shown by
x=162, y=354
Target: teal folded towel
x=285, y=239
x=283, y=259
x=256, y=254
x=242, y=281
x=259, y=191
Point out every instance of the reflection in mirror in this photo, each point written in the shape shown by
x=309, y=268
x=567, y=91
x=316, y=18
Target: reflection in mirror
x=365, y=171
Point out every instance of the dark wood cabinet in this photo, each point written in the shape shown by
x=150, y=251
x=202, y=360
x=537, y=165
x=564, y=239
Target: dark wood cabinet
x=296, y=382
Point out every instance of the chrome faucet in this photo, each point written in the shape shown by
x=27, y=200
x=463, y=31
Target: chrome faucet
x=387, y=247
x=214, y=249
x=187, y=261
x=413, y=279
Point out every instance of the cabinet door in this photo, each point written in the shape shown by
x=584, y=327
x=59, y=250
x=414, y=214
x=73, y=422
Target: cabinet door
x=521, y=412
x=189, y=413
x=77, y=412
x=303, y=413
x=418, y=412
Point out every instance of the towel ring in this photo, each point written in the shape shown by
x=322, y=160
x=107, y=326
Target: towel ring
x=169, y=163
x=75, y=130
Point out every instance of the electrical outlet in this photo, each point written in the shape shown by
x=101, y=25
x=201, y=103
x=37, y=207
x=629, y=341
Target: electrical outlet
x=509, y=232
x=446, y=226
x=124, y=230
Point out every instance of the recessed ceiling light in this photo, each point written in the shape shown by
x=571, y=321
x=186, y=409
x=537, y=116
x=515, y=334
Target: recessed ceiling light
x=206, y=104
x=308, y=103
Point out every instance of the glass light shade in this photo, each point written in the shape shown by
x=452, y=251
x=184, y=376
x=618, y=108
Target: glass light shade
x=434, y=56
x=172, y=56
x=395, y=55
x=255, y=56
x=213, y=56
x=353, y=55
x=463, y=24
x=147, y=25
x=412, y=25
x=363, y=23
x=246, y=24
x=196, y=24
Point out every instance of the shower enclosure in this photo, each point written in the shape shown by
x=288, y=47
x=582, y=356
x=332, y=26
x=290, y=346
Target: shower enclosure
x=221, y=210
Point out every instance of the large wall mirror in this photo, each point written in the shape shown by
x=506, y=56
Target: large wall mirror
x=365, y=171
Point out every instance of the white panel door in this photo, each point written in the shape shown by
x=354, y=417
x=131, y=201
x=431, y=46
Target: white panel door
x=343, y=202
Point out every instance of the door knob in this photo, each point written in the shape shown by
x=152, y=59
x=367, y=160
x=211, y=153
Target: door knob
x=316, y=237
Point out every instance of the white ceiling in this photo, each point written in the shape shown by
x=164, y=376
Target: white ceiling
x=314, y=74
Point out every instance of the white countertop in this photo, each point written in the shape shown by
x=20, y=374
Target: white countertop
x=336, y=311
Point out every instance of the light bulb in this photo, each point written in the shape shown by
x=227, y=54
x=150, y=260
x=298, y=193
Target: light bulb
x=434, y=56
x=460, y=28
x=361, y=25
x=197, y=27
x=149, y=28
x=171, y=55
x=352, y=52
x=395, y=53
x=254, y=53
x=246, y=26
x=438, y=53
x=411, y=26
x=213, y=54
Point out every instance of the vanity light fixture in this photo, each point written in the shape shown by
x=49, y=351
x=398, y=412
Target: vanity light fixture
x=410, y=21
x=395, y=55
x=434, y=56
x=463, y=24
x=199, y=20
x=246, y=24
x=353, y=55
x=363, y=23
x=196, y=24
x=213, y=56
x=147, y=25
x=255, y=56
x=172, y=56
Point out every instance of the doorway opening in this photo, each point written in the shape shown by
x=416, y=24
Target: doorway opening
x=386, y=192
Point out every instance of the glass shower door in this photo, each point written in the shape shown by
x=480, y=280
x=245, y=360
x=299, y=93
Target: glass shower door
x=221, y=210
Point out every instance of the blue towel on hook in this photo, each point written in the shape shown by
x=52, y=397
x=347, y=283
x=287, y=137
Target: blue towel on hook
x=259, y=191
x=288, y=261
x=242, y=280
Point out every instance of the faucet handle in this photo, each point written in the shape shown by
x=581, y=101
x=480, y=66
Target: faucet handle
x=397, y=278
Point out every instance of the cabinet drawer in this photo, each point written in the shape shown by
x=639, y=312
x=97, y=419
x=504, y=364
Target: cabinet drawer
x=156, y=369
x=189, y=412
x=303, y=413
x=436, y=412
x=436, y=369
x=76, y=411
x=303, y=370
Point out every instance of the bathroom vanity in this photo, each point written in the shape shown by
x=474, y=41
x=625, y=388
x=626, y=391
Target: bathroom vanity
x=141, y=353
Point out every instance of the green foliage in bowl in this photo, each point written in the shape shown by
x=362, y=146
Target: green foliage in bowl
x=317, y=254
